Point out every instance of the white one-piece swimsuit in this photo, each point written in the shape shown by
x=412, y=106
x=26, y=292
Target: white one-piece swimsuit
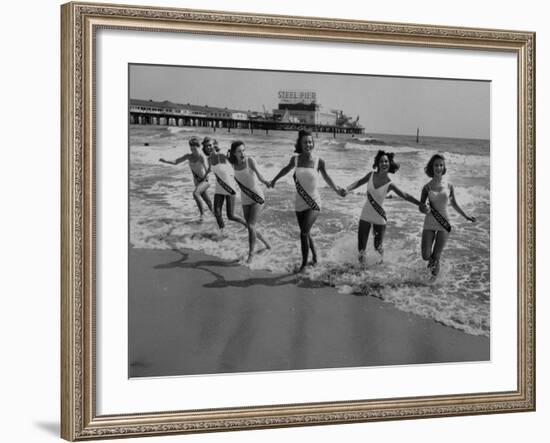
x=251, y=192
x=369, y=214
x=223, y=173
x=307, y=178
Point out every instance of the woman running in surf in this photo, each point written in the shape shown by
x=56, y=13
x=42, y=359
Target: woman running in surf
x=373, y=214
x=225, y=185
x=197, y=164
x=438, y=192
x=252, y=196
x=308, y=200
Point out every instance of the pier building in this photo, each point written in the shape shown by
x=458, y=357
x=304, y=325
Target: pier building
x=292, y=114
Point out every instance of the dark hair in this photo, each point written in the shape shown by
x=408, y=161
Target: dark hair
x=394, y=167
x=429, y=169
x=231, y=153
x=301, y=134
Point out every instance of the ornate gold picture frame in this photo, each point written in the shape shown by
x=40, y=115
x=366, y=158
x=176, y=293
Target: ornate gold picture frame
x=81, y=22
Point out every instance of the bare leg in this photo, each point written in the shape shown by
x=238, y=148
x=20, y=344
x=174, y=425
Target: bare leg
x=230, y=210
x=218, y=205
x=255, y=210
x=313, y=250
x=251, y=213
x=441, y=238
x=199, y=204
x=306, y=219
x=379, y=231
x=207, y=200
x=428, y=238
x=200, y=192
x=362, y=238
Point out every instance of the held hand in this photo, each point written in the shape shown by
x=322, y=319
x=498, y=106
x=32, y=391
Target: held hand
x=424, y=208
x=162, y=160
x=472, y=219
x=341, y=192
x=271, y=184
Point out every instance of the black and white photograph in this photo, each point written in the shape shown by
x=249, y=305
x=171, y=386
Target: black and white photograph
x=305, y=220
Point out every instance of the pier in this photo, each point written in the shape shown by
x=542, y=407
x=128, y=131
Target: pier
x=165, y=113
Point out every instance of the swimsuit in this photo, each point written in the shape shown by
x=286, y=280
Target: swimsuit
x=225, y=184
x=373, y=211
x=307, y=190
x=199, y=171
x=250, y=189
x=438, y=210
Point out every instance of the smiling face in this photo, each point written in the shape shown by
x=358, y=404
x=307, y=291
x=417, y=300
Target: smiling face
x=208, y=147
x=239, y=154
x=307, y=144
x=439, y=167
x=384, y=164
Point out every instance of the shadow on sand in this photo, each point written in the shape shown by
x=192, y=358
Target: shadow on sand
x=221, y=282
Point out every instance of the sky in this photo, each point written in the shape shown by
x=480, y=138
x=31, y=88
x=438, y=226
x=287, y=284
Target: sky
x=388, y=105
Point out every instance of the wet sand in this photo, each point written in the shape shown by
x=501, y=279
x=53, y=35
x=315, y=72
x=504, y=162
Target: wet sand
x=190, y=313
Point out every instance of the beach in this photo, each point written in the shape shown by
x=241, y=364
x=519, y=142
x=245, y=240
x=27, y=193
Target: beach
x=163, y=215
x=196, y=307
x=193, y=313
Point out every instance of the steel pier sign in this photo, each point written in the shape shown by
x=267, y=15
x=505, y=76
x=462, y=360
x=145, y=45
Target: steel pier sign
x=297, y=96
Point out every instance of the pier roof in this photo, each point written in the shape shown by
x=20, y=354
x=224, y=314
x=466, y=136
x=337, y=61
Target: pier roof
x=171, y=105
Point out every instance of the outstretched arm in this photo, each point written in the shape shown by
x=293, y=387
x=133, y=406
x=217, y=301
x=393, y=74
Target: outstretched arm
x=341, y=192
x=359, y=182
x=404, y=195
x=177, y=161
x=455, y=205
x=255, y=169
x=283, y=172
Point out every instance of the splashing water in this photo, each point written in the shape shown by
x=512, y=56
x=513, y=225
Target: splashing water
x=163, y=215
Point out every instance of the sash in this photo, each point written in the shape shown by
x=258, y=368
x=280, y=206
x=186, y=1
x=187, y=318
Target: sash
x=440, y=219
x=198, y=178
x=250, y=193
x=225, y=186
x=376, y=206
x=307, y=198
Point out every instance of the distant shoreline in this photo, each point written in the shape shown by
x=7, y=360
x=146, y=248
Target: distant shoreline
x=326, y=134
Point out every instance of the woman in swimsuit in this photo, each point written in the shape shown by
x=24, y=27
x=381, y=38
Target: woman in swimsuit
x=436, y=224
x=225, y=186
x=252, y=196
x=373, y=214
x=198, y=168
x=308, y=200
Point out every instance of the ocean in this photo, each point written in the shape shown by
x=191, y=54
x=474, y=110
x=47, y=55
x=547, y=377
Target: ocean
x=163, y=215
